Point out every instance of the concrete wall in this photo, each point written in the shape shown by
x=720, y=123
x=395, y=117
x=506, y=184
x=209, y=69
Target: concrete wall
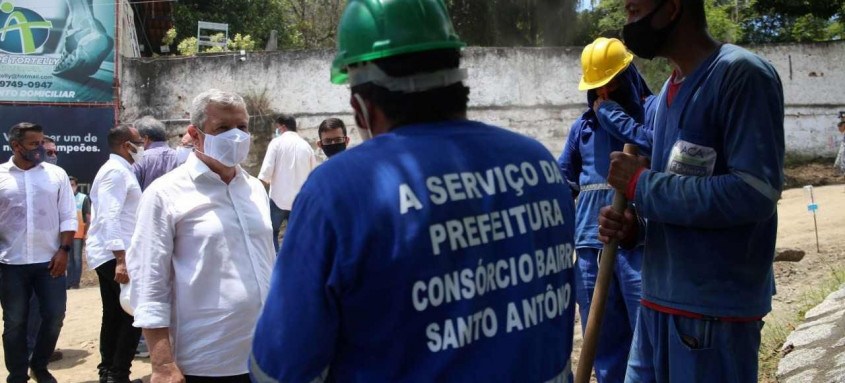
x=530, y=90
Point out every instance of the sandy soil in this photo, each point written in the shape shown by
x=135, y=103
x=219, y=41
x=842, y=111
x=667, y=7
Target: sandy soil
x=79, y=336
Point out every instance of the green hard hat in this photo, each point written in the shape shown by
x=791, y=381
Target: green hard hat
x=375, y=29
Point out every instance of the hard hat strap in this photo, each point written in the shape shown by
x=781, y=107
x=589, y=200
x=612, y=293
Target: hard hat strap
x=421, y=82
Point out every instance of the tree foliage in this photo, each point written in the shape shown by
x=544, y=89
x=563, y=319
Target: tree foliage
x=313, y=23
x=514, y=22
x=299, y=23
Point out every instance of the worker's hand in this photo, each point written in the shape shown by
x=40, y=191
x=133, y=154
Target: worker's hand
x=603, y=95
x=623, y=167
x=120, y=274
x=167, y=373
x=619, y=226
x=58, y=264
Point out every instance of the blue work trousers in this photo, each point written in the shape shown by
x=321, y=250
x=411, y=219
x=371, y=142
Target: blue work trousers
x=673, y=348
x=74, y=264
x=620, y=315
x=17, y=285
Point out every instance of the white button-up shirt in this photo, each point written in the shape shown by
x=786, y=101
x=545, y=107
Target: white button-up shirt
x=114, y=196
x=36, y=205
x=200, y=264
x=286, y=165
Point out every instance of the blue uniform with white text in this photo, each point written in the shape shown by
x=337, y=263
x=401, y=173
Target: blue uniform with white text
x=710, y=206
x=435, y=252
x=585, y=162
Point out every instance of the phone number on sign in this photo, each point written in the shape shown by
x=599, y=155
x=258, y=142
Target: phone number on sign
x=29, y=84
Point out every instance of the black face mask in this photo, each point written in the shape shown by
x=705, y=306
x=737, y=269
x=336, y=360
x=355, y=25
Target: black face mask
x=645, y=41
x=333, y=149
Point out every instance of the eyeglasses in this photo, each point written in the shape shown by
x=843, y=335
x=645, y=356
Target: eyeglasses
x=332, y=141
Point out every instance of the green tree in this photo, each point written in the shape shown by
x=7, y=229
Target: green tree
x=514, y=22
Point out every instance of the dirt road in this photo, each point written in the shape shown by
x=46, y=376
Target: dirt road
x=79, y=336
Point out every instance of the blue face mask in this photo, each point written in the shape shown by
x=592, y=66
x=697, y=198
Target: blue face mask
x=35, y=156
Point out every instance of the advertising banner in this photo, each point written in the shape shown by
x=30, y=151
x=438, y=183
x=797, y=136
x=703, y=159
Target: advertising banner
x=81, y=134
x=57, y=50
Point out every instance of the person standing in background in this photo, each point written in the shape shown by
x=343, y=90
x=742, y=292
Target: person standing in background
x=286, y=165
x=115, y=194
x=83, y=216
x=37, y=222
x=158, y=158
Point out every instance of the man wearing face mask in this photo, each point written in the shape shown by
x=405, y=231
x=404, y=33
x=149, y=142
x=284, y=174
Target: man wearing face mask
x=619, y=103
x=37, y=223
x=201, y=254
x=51, y=151
x=115, y=194
x=332, y=135
x=286, y=165
x=709, y=200
x=158, y=158
x=403, y=262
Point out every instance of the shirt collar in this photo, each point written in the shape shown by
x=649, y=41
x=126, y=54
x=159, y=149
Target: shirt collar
x=15, y=167
x=120, y=160
x=157, y=144
x=197, y=168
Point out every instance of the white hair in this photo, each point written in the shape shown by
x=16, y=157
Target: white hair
x=216, y=97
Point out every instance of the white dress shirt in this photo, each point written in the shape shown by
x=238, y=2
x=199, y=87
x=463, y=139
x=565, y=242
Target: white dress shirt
x=200, y=264
x=115, y=194
x=286, y=165
x=35, y=206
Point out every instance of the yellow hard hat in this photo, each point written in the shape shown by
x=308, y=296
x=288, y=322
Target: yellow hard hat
x=601, y=61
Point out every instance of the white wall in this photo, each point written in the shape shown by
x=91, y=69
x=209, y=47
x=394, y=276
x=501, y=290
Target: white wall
x=530, y=90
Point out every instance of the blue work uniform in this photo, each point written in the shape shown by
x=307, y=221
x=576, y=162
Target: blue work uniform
x=437, y=252
x=710, y=203
x=585, y=162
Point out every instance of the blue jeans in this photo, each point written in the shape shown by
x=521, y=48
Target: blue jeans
x=621, y=309
x=673, y=348
x=17, y=285
x=277, y=217
x=74, y=264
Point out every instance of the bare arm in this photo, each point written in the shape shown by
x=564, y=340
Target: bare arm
x=165, y=369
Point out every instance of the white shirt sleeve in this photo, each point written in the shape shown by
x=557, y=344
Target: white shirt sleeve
x=109, y=205
x=269, y=164
x=149, y=262
x=67, y=207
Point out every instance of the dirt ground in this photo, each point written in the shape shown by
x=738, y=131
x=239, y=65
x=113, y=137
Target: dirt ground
x=79, y=339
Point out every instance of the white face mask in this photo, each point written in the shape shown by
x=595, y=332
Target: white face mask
x=138, y=154
x=364, y=131
x=182, y=153
x=229, y=148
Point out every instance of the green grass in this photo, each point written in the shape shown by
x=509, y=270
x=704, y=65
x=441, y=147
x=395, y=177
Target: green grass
x=778, y=328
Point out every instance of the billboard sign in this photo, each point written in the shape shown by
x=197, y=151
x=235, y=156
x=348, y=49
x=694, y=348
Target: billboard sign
x=80, y=133
x=57, y=50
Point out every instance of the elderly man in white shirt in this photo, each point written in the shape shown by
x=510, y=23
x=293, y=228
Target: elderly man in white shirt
x=286, y=165
x=201, y=256
x=37, y=223
x=115, y=194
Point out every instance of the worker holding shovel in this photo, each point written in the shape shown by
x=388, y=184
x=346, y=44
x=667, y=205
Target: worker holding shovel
x=709, y=200
x=618, y=100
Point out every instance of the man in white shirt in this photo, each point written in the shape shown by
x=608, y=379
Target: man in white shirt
x=201, y=255
x=288, y=162
x=115, y=194
x=37, y=223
